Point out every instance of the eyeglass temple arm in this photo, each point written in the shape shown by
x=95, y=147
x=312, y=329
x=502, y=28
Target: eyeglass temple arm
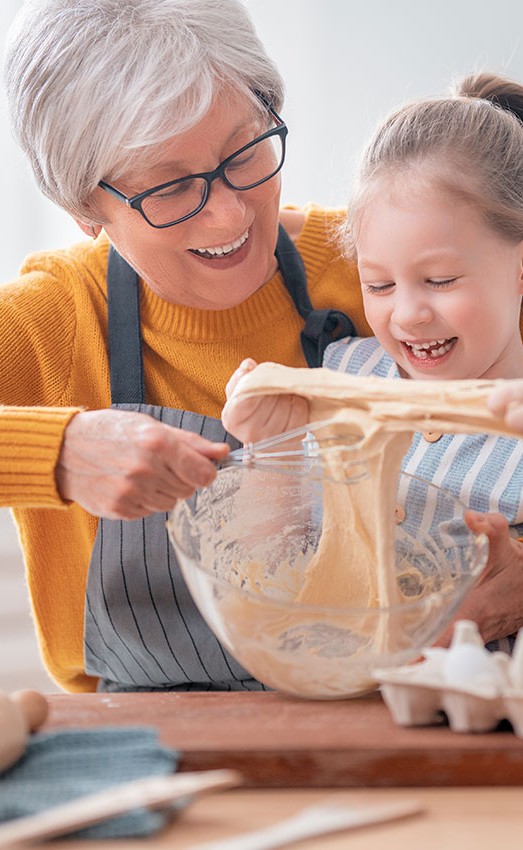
x=112, y=191
x=268, y=105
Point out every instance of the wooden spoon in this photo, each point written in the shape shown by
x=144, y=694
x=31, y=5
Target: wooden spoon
x=319, y=819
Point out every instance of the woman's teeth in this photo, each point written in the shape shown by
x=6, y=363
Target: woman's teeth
x=434, y=348
x=223, y=250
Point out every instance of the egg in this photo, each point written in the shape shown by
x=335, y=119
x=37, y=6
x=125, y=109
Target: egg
x=468, y=664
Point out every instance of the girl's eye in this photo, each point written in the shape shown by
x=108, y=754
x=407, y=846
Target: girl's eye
x=377, y=288
x=442, y=282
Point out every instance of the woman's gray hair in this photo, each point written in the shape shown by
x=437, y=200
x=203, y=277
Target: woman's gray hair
x=92, y=85
x=470, y=145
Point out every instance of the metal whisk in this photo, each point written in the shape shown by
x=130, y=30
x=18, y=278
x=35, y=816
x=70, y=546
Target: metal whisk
x=295, y=452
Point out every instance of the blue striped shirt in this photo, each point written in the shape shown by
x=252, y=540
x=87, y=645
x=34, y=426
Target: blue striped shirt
x=483, y=471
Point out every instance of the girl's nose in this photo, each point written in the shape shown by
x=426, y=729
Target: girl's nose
x=411, y=310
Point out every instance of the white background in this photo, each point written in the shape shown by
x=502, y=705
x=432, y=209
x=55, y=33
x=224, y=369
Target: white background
x=346, y=64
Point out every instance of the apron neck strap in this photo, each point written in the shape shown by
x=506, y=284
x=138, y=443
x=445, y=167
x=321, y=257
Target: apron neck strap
x=321, y=326
x=125, y=338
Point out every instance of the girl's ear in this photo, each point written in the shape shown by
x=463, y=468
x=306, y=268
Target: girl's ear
x=94, y=230
x=520, y=254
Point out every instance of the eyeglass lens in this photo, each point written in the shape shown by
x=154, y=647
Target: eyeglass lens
x=254, y=165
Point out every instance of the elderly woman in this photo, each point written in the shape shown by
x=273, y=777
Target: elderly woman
x=156, y=125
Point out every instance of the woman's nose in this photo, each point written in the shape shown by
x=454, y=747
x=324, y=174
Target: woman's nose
x=224, y=205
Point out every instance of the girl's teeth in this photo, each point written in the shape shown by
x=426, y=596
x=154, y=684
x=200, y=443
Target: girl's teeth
x=224, y=249
x=434, y=348
x=421, y=345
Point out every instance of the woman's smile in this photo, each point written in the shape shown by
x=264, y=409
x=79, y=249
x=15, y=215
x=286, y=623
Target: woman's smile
x=223, y=250
x=227, y=255
x=235, y=232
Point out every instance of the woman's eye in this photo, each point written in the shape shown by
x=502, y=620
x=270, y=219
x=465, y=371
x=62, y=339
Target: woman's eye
x=244, y=159
x=174, y=191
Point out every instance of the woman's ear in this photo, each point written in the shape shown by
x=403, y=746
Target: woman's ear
x=92, y=230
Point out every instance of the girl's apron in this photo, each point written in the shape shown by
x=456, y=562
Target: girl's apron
x=142, y=628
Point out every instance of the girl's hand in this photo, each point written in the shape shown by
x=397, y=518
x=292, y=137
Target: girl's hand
x=495, y=602
x=253, y=419
x=507, y=402
x=125, y=465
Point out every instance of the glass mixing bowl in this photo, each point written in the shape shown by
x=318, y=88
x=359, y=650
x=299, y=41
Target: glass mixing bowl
x=244, y=545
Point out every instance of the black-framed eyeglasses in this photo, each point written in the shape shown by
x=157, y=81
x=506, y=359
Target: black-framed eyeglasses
x=176, y=201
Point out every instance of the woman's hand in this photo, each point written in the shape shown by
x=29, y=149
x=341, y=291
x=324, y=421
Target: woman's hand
x=507, y=402
x=495, y=602
x=253, y=419
x=125, y=465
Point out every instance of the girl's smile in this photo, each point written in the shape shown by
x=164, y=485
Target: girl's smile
x=430, y=352
x=442, y=291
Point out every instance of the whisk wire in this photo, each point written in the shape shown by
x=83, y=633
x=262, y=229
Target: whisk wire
x=262, y=455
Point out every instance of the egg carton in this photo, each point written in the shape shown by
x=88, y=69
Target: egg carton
x=476, y=689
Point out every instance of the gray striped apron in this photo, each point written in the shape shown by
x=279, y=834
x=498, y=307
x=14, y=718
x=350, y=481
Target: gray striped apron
x=142, y=629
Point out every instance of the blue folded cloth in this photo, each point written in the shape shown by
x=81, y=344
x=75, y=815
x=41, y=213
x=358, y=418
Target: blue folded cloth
x=59, y=766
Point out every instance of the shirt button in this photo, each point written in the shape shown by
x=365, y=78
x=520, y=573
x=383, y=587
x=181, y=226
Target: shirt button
x=432, y=436
x=399, y=514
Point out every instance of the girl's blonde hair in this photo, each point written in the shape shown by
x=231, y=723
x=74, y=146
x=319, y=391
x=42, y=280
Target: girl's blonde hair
x=469, y=144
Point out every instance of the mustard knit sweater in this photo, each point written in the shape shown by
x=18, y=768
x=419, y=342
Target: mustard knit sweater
x=54, y=329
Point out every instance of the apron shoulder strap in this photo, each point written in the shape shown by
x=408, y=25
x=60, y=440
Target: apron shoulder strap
x=125, y=338
x=321, y=326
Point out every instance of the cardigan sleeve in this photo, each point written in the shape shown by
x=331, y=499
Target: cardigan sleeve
x=30, y=442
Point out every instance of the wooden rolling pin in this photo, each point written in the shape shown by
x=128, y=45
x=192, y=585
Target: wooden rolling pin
x=21, y=713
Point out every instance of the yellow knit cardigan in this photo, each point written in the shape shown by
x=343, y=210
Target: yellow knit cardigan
x=54, y=345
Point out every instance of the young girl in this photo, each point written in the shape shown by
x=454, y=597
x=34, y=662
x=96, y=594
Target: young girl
x=436, y=225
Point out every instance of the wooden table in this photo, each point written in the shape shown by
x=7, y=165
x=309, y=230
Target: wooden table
x=294, y=753
x=278, y=741
x=454, y=819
